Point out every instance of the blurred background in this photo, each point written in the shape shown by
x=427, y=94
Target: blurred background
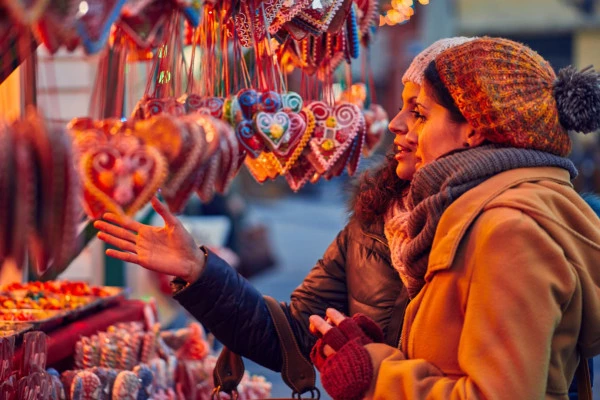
x=275, y=236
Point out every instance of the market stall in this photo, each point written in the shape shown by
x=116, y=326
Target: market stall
x=218, y=98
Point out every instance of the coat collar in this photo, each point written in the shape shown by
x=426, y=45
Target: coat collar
x=461, y=214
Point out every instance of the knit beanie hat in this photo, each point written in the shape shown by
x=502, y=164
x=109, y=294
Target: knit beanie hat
x=414, y=73
x=512, y=96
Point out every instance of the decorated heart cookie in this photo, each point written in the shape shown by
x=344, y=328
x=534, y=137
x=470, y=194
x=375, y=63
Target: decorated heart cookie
x=272, y=128
x=317, y=17
x=121, y=181
x=264, y=167
x=253, y=19
x=57, y=26
x=335, y=131
x=289, y=9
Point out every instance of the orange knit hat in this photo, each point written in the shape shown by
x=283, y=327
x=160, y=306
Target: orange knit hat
x=512, y=96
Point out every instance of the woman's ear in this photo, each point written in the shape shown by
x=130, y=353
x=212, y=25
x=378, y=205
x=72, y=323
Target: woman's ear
x=475, y=138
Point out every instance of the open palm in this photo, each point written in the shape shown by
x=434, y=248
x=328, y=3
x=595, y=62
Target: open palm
x=169, y=249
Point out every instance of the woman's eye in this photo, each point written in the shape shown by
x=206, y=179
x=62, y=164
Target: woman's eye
x=418, y=115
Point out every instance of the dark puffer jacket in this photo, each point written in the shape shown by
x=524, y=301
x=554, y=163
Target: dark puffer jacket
x=354, y=276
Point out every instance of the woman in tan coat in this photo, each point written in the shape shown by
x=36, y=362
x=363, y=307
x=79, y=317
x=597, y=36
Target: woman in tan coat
x=505, y=292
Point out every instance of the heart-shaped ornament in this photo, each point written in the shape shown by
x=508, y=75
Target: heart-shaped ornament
x=358, y=148
x=289, y=9
x=121, y=182
x=272, y=128
x=319, y=15
x=248, y=138
x=207, y=177
x=85, y=385
x=335, y=131
x=254, y=18
x=94, y=22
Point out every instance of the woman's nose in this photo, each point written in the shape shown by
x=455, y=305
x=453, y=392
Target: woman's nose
x=398, y=126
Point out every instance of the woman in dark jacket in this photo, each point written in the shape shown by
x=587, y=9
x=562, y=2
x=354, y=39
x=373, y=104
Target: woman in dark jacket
x=355, y=274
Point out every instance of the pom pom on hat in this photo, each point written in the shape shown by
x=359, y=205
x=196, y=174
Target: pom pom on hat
x=577, y=95
x=414, y=73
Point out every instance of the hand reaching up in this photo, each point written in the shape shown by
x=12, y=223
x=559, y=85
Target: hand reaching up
x=169, y=249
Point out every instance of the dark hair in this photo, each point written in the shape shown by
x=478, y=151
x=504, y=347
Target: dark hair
x=441, y=94
x=374, y=191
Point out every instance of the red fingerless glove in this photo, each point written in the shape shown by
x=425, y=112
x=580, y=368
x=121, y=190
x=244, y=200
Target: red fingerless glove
x=348, y=373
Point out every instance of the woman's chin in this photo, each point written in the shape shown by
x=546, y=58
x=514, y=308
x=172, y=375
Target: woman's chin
x=405, y=173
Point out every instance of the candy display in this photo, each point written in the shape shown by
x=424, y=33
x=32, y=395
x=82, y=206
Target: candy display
x=104, y=371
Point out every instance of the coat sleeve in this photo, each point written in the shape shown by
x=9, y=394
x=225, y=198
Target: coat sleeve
x=519, y=284
x=236, y=313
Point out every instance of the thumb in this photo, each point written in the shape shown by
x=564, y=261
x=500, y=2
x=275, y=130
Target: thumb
x=163, y=211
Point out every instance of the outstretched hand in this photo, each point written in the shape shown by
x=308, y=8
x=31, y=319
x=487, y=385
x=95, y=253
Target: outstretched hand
x=169, y=249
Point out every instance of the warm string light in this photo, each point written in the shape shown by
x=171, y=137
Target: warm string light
x=400, y=12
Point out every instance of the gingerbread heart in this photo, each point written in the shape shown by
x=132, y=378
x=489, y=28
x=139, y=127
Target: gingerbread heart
x=51, y=240
x=119, y=181
x=335, y=131
x=164, y=133
x=94, y=22
x=318, y=16
x=272, y=128
x=289, y=9
x=366, y=14
x=248, y=138
x=253, y=19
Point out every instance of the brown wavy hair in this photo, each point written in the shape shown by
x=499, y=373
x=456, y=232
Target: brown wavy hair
x=375, y=189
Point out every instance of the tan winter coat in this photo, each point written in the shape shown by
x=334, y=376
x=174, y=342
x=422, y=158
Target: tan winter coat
x=512, y=289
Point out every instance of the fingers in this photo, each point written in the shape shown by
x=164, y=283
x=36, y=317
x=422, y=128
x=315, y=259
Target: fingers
x=163, y=211
x=335, y=316
x=319, y=324
x=115, y=241
x=115, y=231
x=123, y=221
x=120, y=255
